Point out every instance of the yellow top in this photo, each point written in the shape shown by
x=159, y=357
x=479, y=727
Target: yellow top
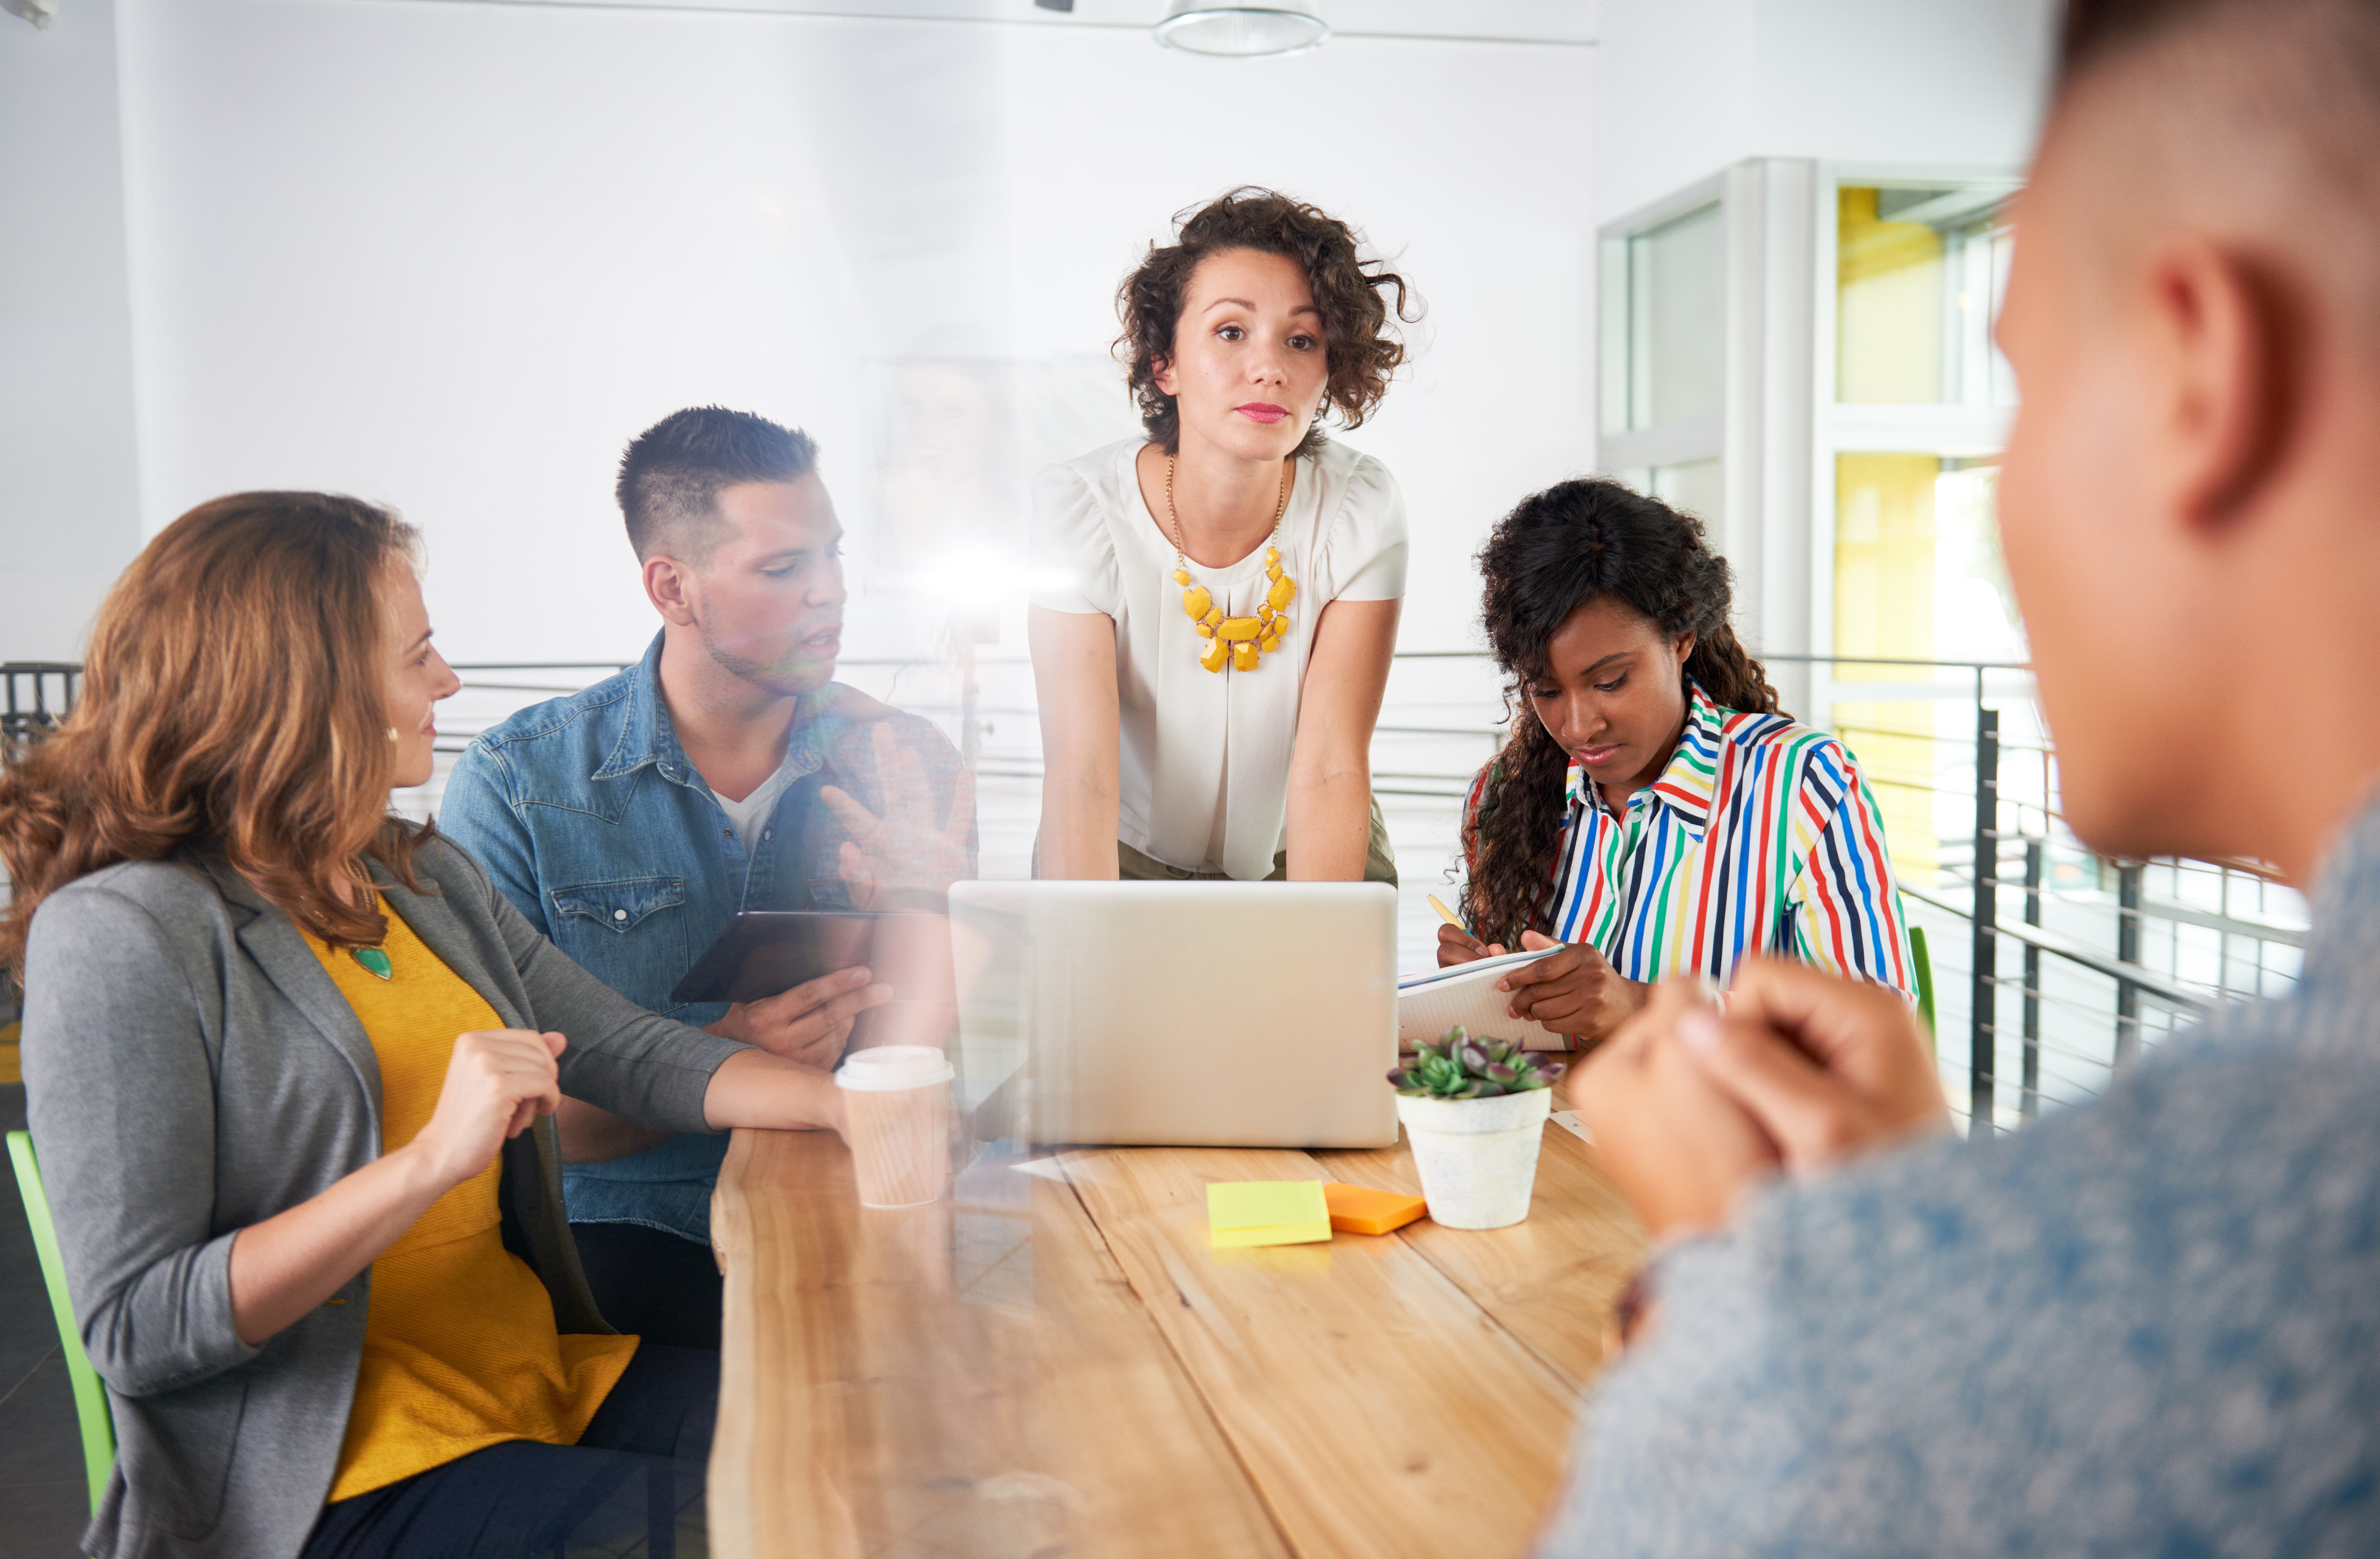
x=460, y=1350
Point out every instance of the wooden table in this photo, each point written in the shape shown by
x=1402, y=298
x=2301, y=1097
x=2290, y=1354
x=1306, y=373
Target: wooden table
x=1054, y=1362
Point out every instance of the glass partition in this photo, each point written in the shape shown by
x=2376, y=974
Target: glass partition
x=1919, y=274
x=1664, y=349
x=1677, y=320
x=1693, y=486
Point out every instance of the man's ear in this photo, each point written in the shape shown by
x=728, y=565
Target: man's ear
x=669, y=585
x=2230, y=361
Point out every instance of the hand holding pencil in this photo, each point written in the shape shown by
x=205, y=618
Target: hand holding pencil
x=1455, y=945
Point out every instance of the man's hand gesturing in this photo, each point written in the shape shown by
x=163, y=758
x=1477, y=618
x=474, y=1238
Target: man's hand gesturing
x=1829, y=1067
x=915, y=847
x=1692, y=1105
x=1681, y=1148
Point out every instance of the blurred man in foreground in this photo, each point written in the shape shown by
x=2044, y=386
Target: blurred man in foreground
x=2151, y=1325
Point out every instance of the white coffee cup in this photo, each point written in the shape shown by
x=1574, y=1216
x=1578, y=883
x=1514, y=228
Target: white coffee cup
x=896, y=1105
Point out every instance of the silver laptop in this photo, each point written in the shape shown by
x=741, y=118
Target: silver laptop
x=1250, y=1014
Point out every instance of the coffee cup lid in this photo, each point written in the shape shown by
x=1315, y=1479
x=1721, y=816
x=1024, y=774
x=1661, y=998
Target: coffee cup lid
x=890, y=1069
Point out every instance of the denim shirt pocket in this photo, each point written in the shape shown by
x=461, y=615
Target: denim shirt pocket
x=631, y=932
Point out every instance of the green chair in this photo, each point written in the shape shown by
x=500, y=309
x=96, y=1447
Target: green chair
x=1922, y=967
x=91, y=1397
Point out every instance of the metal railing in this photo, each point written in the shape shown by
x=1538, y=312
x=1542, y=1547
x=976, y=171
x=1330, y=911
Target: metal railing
x=2046, y=957
x=2128, y=966
x=2059, y=966
x=34, y=697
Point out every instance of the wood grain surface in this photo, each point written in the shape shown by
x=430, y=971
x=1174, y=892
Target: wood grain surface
x=970, y=1378
x=1552, y=1279
x=1056, y=1364
x=1379, y=1410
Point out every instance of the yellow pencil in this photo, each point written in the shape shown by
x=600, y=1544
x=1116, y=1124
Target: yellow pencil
x=1448, y=916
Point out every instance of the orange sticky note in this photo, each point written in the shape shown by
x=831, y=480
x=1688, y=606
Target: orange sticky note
x=1359, y=1210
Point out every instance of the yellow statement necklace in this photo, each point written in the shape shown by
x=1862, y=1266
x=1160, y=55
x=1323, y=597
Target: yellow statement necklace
x=1244, y=641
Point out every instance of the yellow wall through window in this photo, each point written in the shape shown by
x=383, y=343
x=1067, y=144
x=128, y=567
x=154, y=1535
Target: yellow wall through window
x=1888, y=305
x=1884, y=606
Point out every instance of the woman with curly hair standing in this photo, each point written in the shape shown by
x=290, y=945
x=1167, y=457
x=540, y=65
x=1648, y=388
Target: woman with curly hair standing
x=1213, y=641
x=1654, y=810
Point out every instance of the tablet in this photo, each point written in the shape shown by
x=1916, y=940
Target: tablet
x=763, y=952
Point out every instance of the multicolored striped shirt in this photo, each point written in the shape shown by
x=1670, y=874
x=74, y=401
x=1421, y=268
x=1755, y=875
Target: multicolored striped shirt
x=1760, y=835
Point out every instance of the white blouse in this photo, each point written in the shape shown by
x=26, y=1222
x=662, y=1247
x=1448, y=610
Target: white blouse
x=1204, y=779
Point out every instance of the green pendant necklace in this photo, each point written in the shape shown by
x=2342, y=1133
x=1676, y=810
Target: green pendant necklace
x=375, y=960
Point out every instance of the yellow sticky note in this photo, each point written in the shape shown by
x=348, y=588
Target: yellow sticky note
x=1248, y=1213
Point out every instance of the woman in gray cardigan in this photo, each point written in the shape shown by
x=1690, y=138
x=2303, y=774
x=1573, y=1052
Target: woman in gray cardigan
x=191, y=858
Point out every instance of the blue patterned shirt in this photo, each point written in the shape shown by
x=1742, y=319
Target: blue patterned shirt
x=2149, y=1325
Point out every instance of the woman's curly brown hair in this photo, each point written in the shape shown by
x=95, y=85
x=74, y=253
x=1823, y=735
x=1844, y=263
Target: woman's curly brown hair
x=1556, y=551
x=1360, y=352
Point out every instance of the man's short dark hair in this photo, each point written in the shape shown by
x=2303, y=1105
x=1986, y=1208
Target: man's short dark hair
x=2097, y=32
x=672, y=473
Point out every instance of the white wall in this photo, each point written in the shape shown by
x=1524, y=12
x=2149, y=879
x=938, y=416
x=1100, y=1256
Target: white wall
x=69, y=498
x=452, y=256
x=1686, y=87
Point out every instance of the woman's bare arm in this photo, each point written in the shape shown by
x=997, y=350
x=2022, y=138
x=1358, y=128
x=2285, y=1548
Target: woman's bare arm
x=753, y=1088
x=1074, y=680
x=1330, y=771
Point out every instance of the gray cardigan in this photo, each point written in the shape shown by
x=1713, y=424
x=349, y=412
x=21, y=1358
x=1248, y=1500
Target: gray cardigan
x=189, y=1070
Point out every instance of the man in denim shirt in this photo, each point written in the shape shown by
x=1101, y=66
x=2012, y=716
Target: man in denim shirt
x=723, y=771
x=2148, y=1324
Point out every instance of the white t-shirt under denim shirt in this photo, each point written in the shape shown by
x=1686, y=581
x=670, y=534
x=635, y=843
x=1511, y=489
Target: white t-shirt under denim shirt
x=1203, y=756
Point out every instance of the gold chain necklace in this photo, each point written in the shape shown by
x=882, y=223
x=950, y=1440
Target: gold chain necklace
x=1242, y=641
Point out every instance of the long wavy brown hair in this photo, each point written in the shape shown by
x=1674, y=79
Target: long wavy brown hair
x=1360, y=350
x=232, y=703
x=1556, y=551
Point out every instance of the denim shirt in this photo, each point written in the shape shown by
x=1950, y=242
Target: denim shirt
x=588, y=814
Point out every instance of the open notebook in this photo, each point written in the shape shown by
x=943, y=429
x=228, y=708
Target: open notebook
x=1430, y=1003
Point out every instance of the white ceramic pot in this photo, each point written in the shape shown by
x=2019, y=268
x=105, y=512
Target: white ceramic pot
x=1478, y=1157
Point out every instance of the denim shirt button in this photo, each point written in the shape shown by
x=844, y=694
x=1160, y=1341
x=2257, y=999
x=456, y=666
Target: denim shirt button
x=619, y=914
x=767, y=834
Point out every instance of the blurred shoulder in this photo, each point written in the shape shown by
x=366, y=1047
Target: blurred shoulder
x=2086, y=1293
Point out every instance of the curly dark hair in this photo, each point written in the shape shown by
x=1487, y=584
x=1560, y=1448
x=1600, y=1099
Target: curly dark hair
x=1556, y=551
x=1357, y=343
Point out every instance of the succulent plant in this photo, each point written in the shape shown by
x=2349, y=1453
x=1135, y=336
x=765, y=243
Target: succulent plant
x=1459, y=1067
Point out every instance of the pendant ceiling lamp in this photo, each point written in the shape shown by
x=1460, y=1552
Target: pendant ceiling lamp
x=1242, y=30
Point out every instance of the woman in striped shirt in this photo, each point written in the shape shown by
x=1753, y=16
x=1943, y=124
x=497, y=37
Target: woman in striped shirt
x=1659, y=814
